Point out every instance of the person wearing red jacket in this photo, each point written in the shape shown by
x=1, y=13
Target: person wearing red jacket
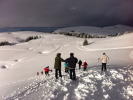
x=46, y=70
x=85, y=65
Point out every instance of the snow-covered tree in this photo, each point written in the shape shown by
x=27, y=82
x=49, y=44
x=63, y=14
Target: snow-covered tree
x=85, y=42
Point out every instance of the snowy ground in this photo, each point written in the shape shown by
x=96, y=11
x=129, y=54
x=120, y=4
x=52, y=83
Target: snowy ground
x=19, y=81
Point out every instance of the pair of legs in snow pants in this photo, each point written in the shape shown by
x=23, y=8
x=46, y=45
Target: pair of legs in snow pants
x=104, y=67
x=72, y=74
x=85, y=68
x=58, y=71
x=47, y=73
x=66, y=69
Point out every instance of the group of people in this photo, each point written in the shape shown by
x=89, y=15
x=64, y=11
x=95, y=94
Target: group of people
x=80, y=63
x=70, y=65
x=84, y=64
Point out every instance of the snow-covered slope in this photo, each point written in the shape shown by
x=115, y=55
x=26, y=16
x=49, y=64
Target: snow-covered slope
x=97, y=30
x=89, y=85
x=18, y=81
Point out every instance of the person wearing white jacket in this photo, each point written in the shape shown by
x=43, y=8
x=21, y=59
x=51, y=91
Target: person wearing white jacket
x=104, y=60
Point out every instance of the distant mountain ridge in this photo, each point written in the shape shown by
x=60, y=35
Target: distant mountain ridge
x=81, y=29
x=97, y=30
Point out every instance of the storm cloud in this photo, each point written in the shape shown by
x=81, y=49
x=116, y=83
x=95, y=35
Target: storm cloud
x=55, y=13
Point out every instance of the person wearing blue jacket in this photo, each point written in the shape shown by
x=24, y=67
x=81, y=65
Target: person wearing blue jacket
x=66, y=67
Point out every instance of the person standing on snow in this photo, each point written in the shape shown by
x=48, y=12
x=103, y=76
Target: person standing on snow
x=72, y=61
x=85, y=65
x=66, y=67
x=80, y=63
x=57, y=65
x=104, y=59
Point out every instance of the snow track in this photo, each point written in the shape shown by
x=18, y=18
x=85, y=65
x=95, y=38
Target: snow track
x=103, y=49
x=89, y=85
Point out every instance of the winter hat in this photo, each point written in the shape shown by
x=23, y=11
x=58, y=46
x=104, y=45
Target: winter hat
x=58, y=54
x=104, y=53
x=47, y=66
x=71, y=54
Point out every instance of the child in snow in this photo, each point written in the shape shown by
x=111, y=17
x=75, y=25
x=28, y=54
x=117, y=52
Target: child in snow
x=85, y=65
x=40, y=73
x=80, y=63
x=37, y=73
x=46, y=70
x=66, y=67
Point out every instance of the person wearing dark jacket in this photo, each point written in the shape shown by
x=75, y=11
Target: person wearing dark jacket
x=57, y=65
x=72, y=61
x=80, y=63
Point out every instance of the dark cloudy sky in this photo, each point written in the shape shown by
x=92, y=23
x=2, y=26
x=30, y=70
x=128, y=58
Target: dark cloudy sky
x=54, y=13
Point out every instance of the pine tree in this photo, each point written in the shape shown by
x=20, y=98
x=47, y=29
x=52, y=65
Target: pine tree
x=85, y=42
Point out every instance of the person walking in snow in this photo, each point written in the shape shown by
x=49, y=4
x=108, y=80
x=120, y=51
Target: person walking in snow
x=104, y=59
x=72, y=61
x=57, y=65
x=47, y=70
x=85, y=64
x=80, y=63
x=66, y=67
